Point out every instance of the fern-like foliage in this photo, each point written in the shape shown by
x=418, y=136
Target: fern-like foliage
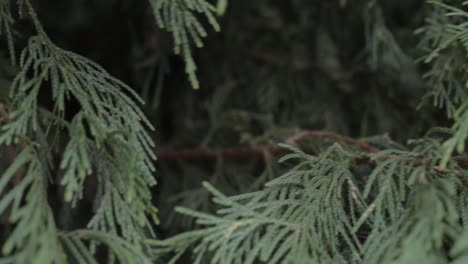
x=35, y=236
x=107, y=138
x=412, y=210
x=300, y=217
x=445, y=39
x=382, y=48
x=405, y=211
x=121, y=250
x=180, y=18
x=445, y=54
x=6, y=20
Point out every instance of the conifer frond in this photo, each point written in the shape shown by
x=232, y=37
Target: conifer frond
x=413, y=212
x=118, y=210
x=110, y=115
x=35, y=234
x=180, y=18
x=107, y=137
x=382, y=48
x=299, y=217
x=120, y=250
x=419, y=235
x=405, y=211
x=6, y=21
x=76, y=161
x=445, y=38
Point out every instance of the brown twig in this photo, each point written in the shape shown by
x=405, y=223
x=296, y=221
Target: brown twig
x=257, y=151
x=260, y=151
x=214, y=153
x=338, y=137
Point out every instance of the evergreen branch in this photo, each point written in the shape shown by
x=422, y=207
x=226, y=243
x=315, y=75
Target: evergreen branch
x=6, y=21
x=108, y=136
x=418, y=232
x=34, y=237
x=119, y=248
x=279, y=224
x=180, y=18
x=316, y=211
x=37, y=24
x=445, y=38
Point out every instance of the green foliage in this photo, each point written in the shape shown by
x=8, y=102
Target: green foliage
x=278, y=224
x=412, y=213
x=319, y=212
x=179, y=18
x=6, y=20
x=445, y=41
x=400, y=205
x=35, y=233
x=381, y=46
x=121, y=250
x=280, y=67
x=106, y=138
